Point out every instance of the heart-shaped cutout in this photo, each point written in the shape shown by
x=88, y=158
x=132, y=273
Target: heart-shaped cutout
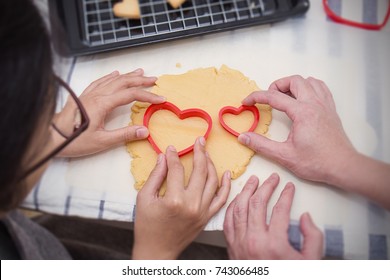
x=237, y=111
x=189, y=113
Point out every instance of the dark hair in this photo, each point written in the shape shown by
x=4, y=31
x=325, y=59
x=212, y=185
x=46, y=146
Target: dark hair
x=25, y=79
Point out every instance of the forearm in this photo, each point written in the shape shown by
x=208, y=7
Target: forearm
x=363, y=175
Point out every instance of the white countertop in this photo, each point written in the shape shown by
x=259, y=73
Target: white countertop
x=354, y=63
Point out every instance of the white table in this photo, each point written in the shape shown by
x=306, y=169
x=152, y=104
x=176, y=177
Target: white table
x=355, y=64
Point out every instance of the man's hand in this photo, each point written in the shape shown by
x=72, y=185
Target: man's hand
x=317, y=145
x=250, y=237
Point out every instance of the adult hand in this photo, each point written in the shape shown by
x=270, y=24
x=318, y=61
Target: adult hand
x=248, y=235
x=165, y=226
x=317, y=145
x=99, y=99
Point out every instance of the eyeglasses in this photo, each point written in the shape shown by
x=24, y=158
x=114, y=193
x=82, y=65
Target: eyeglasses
x=331, y=14
x=69, y=123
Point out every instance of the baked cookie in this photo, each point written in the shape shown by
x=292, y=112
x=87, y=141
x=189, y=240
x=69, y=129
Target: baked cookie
x=176, y=3
x=127, y=9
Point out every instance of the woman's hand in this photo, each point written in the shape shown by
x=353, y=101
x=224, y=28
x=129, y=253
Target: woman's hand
x=99, y=99
x=250, y=237
x=317, y=145
x=165, y=226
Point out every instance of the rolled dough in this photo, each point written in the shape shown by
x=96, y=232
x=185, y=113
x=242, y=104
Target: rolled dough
x=209, y=89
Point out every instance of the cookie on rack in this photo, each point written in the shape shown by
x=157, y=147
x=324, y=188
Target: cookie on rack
x=130, y=8
x=127, y=9
x=176, y=3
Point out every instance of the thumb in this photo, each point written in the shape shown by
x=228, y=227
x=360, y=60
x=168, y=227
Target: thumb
x=261, y=144
x=127, y=134
x=156, y=177
x=313, y=239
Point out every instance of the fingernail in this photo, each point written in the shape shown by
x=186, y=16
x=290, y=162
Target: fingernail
x=160, y=158
x=252, y=179
x=116, y=72
x=228, y=175
x=308, y=216
x=139, y=70
x=142, y=132
x=289, y=186
x=171, y=148
x=202, y=141
x=244, y=139
x=162, y=98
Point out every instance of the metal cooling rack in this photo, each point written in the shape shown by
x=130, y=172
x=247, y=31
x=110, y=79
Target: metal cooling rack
x=102, y=30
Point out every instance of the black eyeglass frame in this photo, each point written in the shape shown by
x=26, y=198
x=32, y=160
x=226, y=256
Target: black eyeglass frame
x=76, y=132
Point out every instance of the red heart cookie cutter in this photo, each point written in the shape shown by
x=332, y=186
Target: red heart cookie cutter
x=189, y=113
x=237, y=111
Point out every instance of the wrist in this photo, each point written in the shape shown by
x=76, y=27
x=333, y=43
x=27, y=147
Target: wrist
x=341, y=168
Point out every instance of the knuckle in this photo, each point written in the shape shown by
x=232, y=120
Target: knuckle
x=240, y=211
x=256, y=202
x=193, y=213
x=177, y=166
x=174, y=205
x=132, y=91
x=135, y=81
x=119, y=81
x=280, y=209
x=255, y=144
x=271, y=96
x=123, y=80
x=296, y=78
x=129, y=135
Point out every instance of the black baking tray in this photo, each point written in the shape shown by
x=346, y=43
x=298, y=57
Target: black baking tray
x=90, y=25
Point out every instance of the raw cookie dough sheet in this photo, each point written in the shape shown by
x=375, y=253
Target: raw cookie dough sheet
x=209, y=89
